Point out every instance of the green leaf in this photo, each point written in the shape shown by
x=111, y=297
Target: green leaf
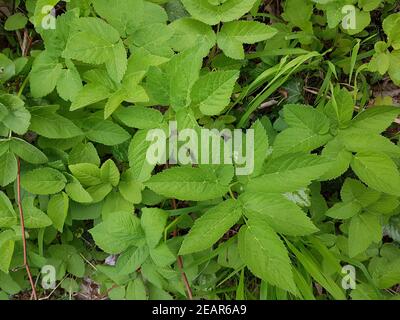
x=76, y=192
x=132, y=259
x=265, y=255
x=90, y=94
x=356, y=140
x=136, y=290
x=391, y=26
x=123, y=15
x=340, y=108
x=8, y=68
x=43, y=181
x=15, y=22
x=234, y=34
x=117, y=233
x=394, y=71
x=354, y=190
x=70, y=257
x=344, y=210
x=153, y=222
x=289, y=173
x=105, y=131
x=183, y=71
x=139, y=117
x=7, y=249
x=18, y=117
x=140, y=167
x=69, y=83
x=46, y=70
x=154, y=38
x=34, y=217
x=363, y=230
x=46, y=122
x=212, y=92
x=130, y=187
x=84, y=153
x=261, y=146
x=376, y=119
x=306, y=117
x=298, y=13
x=189, y=33
x=294, y=140
x=57, y=210
x=27, y=152
x=280, y=213
x=339, y=157
x=378, y=171
x=96, y=42
x=8, y=168
x=8, y=218
x=187, y=183
x=162, y=255
x=211, y=226
x=109, y=173
x=87, y=173
x=211, y=14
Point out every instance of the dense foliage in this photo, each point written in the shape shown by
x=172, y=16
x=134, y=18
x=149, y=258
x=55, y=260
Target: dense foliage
x=83, y=82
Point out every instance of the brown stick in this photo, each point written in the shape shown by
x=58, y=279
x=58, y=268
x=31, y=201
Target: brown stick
x=180, y=263
x=21, y=216
x=184, y=278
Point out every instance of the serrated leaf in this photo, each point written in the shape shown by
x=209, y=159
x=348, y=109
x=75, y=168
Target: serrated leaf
x=211, y=226
x=289, y=173
x=229, y=10
x=8, y=218
x=46, y=122
x=212, y=92
x=234, y=34
x=46, y=70
x=363, y=230
x=7, y=249
x=96, y=42
x=76, y=192
x=27, y=152
x=116, y=234
x=183, y=71
x=139, y=117
x=375, y=119
x=153, y=222
x=187, y=183
x=8, y=168
x=109, y=173
x=43, y=181
x=87, y=173
x=105, y=132
x=57, y=209
x=34, y=217
x=17, y=119
x=280, y=213
x=378, y=171
x=265, y=255
x=189, y=32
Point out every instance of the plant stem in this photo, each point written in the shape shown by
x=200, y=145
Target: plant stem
x=184, y=278
x=180, y=264
x=21, y=216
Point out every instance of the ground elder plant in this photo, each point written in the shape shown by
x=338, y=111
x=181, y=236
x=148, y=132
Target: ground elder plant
x=200, y=149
